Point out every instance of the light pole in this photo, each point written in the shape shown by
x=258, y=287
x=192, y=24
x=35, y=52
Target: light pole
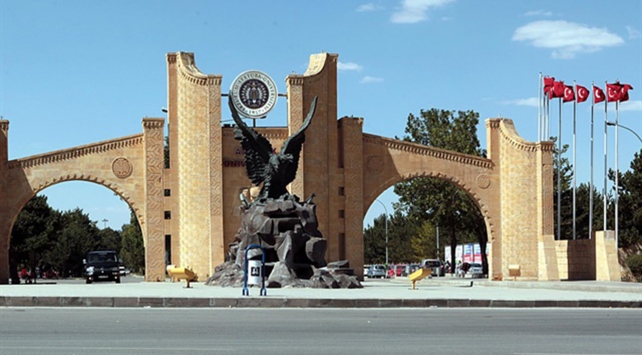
x=617, y=172
x=625, y=127
x=385, y=209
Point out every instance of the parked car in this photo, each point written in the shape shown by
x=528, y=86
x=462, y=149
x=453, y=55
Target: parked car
x=476, y=270
x=410, y=268
x=399, y=269
x=377, y=271
x=436, y=265
x=102, y=265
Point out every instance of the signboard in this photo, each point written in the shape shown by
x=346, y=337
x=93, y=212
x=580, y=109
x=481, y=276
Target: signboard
x=253, y=94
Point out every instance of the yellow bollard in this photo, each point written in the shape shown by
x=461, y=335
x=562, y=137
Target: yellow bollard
x=418, y=275
x=181, y=273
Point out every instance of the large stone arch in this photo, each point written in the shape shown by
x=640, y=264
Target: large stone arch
x=130, y=166
x=389, y=161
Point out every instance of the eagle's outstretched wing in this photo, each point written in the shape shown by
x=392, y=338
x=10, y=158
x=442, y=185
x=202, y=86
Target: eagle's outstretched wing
x=293, y=144
x=257, y=148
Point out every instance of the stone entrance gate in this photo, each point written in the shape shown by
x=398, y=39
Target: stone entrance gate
x=346, y=169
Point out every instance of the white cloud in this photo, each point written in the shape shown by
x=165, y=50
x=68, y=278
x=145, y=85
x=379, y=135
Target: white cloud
x=371, y=79
x=413, y=11
x=634, y=105
x=349, y=66
x=538, y=13
x=633, y=33
x=531, y=101
x=367, y=7
x=566, y=38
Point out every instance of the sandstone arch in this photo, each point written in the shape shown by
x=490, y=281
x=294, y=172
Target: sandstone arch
x=130, y=166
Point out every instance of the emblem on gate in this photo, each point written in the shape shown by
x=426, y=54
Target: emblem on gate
x=122, y=168
x=253, y=94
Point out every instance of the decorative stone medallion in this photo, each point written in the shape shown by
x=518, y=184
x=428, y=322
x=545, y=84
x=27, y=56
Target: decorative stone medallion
x=122, y=168
x=253, y=94
x=483, y=181
x=375, y=164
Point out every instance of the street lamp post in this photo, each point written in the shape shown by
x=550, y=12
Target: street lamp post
x=617, y=172
x=385, y=209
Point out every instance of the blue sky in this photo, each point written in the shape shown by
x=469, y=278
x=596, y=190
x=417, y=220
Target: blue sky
x=77, y=72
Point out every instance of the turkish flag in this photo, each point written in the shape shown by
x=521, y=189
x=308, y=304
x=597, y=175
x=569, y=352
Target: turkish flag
x=613, y=92
x=548, y=84
x=557, y=90
x=598, y=95
x=624, y=92
x=582, y=93
x=569, y=94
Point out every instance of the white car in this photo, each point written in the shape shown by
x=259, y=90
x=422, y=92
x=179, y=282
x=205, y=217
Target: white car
x=476, y=270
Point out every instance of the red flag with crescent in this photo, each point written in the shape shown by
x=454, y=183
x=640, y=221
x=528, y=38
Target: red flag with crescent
x=598, y=95
x=624, y=92
x=613, y=92
x=557, y=90
x=582, y=93
x=548, y=84
x=569, y=94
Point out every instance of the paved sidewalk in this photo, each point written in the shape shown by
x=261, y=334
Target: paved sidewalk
x=436, y=292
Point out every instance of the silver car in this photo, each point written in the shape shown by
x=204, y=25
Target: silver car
x=377, y=271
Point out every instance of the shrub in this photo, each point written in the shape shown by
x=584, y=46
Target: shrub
x=634, y=263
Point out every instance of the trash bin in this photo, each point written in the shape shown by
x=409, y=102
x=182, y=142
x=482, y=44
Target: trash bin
x=255, y=272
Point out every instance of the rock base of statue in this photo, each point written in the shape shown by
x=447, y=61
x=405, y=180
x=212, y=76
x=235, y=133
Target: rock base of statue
x=294, y=248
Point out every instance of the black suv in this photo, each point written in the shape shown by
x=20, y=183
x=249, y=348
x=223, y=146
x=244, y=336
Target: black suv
x=102, y=265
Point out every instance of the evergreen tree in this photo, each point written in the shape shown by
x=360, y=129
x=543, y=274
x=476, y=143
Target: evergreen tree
x=630, y=204
x=133, y=250
x=438, y=201
x=32, y=235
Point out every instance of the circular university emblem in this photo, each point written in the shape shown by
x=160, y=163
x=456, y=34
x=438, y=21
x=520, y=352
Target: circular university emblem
x=253, y=94
x=122, y=168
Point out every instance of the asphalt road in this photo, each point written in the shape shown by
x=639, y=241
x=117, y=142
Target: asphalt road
x=319, y=331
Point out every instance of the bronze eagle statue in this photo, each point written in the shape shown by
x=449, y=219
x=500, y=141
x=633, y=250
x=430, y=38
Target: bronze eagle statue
x=263, y=164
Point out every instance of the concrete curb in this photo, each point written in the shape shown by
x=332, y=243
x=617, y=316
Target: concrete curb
x=267, y=302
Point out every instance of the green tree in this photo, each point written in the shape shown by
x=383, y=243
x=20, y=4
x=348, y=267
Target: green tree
x=32, y=235
x=566, y=197
x=630, y=204
x=400, y=234
x=438, y=201
x=77, y=236
x=133, y=249
x=109, y=239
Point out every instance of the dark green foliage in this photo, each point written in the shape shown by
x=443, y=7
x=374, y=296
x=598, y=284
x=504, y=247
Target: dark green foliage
x=439, y=202
x=400, y=233
x=133, y=250
x=77, y=236
x=48, y=238
x=635, y=265
x=32, y=236
x=630, y=203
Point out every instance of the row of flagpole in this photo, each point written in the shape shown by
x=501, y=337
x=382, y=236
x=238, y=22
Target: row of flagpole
x=550, y=89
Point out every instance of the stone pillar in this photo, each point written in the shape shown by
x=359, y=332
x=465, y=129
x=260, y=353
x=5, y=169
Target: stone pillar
x=495, y=240
x=153, y=133
x=5, y=223
x=607, y=265
x=199, y=160
x=546, y=246
x=351, y=153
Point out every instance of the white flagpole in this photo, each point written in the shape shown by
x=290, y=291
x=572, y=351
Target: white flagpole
x=606, y=120
x=559, y=169
x=617, y=173
x=539, y=110
x=574, y=155
x=590, y=236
